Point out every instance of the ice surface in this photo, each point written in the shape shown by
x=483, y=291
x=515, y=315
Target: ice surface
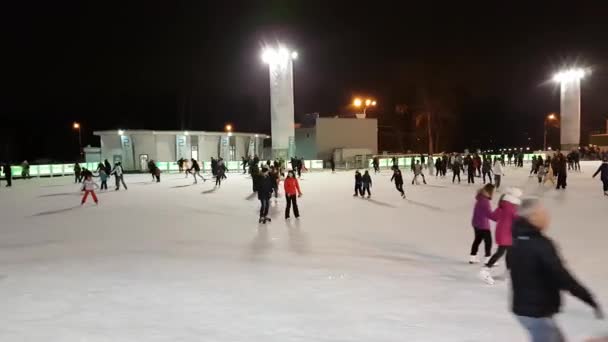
x=175, y=262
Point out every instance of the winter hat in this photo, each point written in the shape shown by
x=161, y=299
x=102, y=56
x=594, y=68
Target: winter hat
x=513, y=195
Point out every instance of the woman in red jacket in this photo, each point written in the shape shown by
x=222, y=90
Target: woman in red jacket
x=292, y=188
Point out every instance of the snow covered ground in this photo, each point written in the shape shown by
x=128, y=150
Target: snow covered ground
x=176, y=262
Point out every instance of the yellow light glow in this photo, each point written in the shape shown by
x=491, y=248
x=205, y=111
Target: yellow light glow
x=76, y=125
x=368, y=102
x=357, y=102
x=551, y=117
x=374, y=103
x=228, y=128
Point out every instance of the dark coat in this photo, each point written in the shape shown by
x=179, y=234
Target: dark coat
x=538, y=274
x=358, y=177
x=264, y=186
x=603, y=171
x=367, y=179
x=397, y=177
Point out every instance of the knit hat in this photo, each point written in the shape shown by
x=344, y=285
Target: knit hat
x=513, y=195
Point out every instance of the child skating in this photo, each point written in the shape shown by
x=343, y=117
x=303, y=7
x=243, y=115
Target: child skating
x=398, y=178
x=482, y=214
x=367, y=184
x=89, y=186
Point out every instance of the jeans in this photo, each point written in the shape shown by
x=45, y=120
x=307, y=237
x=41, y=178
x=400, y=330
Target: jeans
x=497, y=179
x=364, y=189
x=487, y=173
x=264, y=206
x=541, y=329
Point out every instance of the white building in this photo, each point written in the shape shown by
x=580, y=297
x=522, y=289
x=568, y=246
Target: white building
x=134, y=148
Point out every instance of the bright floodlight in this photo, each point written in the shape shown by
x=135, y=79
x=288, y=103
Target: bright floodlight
x=279, y=55
x=373, y=103
x=368, y=102
x=228, y=128
x=569, y=75
x=121, y=132
x=357, y=102
x=76, y=125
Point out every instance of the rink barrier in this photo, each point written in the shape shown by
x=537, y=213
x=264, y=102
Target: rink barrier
x=58, y=170
x=406, y=161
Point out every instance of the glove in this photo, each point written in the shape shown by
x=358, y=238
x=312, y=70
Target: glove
x=599, y=314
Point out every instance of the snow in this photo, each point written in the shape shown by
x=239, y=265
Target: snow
x=176, y=262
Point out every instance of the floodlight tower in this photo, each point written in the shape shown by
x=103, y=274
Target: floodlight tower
x=570, y=107
x=280, y=67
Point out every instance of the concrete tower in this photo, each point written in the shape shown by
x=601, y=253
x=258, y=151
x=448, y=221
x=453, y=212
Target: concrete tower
x=280, y=67
x=570, y=107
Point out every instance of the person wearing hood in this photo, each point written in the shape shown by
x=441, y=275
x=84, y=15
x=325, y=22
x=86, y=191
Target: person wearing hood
x=358, y=184
x=603, y=171
x=504, y=215
x=486, y=169
x=538, y=275
x=482, y=213
x=366, y=182
x=398, y=178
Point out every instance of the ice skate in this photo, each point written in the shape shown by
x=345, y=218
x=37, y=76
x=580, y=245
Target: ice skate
x=486, y=276
x=261, y=220
x=473, y=259
x=488, y=260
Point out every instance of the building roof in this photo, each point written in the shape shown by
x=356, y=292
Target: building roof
x=161, y=132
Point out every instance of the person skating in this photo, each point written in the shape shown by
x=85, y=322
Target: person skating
x=89, y=186
x=103, y=177
x=456, y=171
x=498, y=172
x=430, y=165
x=418, y=172
x=195, y=169
x=366, y=182
x=8, y=174
x=471, y=171
x=180, y=165
x=538, y=275
x=376, y=164
x=219, y=175
x=603, y=172
x=244, y=163
x=482, y=213
x=25, y=170
x=332, y=164
x=107, y=166
x=486, y=170
x=398, y=178
x=549, y=175
x=439, y=167
x=504, y=215
x=541, y=173
x=154, y=171
x=358, y=184
x=292, y=191
x=77, y=171
x=118, y=176
x=264, y=189
x=275, y=177
x=562, y=173
x=533, y=168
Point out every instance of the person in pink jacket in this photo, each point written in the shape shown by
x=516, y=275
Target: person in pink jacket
x=504, y=215
x=481, y=223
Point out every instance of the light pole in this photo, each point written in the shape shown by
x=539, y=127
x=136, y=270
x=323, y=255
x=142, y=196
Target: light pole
x=282, y=126
x=357, y=102
x=549, y=117
x=570, y=106
x=76, y=126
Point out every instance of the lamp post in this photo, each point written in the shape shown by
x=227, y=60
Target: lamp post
x=357, y=102
x=570, y=106
x=76, y=126
x=548, y=118
x=282, y=126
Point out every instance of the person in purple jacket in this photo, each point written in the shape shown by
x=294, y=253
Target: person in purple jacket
x=482, y=214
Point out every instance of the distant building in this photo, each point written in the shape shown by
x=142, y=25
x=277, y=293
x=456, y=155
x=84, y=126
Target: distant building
x=342, y=137
x=134, y=148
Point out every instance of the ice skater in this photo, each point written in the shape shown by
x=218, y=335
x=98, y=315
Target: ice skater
x=89, y=186
x=398, y=178
x=103, y=177
x=504, y=216
x=196, y=170
x=276, y=180
x=118, y=176
x=486, y=169
x=221, y=171
x=456, y=171
x=482, y=213
x=292, y=191
x=498, y=172
x=418, y=172
x=264, y=189
x=366, y=182
x=471, y=171
x=538, y=276
x=358, y=184
x=603, y=171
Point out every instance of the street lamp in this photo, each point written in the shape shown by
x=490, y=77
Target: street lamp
x=76, y=126
x=357, y=102
x=570, y=106
x=280, y=61
x=228, y=128
x=549, y=117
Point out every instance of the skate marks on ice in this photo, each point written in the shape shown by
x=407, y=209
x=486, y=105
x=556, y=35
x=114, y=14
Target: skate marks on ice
x=56, y=211
x=299, y=242
x=380, y=203
x=261, y=243
x=424, y=205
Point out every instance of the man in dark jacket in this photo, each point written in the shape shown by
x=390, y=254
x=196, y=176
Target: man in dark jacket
x=8, y=174
x=538, y=275
x=562, y=173
x=264, y=188
x=603, y=171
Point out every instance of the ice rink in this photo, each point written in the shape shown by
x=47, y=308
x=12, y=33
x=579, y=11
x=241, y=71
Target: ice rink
x=180, y=262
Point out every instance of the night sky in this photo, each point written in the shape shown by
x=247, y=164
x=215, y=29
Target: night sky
x=196, y=66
